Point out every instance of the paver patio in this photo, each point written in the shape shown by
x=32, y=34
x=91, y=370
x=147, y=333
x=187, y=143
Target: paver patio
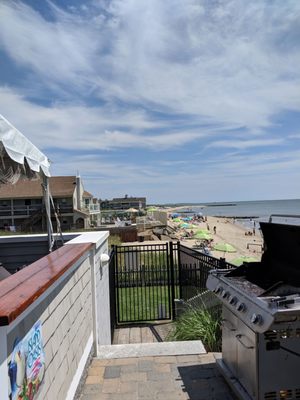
x=184, y=377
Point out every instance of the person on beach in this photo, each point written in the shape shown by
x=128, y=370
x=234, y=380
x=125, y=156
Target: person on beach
x=215, y=229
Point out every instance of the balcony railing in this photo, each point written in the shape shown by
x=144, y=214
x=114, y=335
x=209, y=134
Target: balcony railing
x=91, y=208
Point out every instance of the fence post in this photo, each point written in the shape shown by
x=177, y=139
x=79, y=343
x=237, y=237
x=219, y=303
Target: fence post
x=172, y=280
x=112, y=290
x=179, y=270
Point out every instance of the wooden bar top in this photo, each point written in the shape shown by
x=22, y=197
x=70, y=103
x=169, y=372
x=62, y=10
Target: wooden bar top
x=20, y=290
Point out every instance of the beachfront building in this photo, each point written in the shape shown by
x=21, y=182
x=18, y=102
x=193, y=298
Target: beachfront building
x=22, y=205
x=124, y=203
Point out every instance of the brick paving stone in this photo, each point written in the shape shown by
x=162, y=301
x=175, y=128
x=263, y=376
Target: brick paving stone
x=95, y=396
x=207, y=358
x=163, y=368
x=98, y=371
x=112, y=372
x=124, y=361
x=111, y=386
x=145, y=365
x=99, y=363
x=93, y=379
x=122, y=396
x=92, y=389
x=146, y=391
x=128, y=387
x=134, y=376
x=157, y=376
x=165, y=359
x=156, y=387
x=187, y=359
x=172, y=396
x=146, y=358
x=127, y=369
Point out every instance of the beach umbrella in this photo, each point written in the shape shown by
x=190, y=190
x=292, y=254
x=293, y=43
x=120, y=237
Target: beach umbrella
x=174, y=215
x=225, y=247
x=184, y=226
x=151, y=209
x=203, y=231
x=132, y=210
x=202, y=235
x=187, y=218
x=240, y=260
x=177, y=220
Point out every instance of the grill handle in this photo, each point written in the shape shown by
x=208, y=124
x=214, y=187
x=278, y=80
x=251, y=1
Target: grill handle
x=228, y=324
x=239, y=337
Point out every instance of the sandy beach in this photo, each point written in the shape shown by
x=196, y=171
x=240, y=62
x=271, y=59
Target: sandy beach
x=226, y=231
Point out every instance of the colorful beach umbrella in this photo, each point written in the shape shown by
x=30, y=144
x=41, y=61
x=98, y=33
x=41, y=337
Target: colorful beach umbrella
x=177, y=220
x=184, y=226
x=225, y=247
x=203, y=231
x=240, y=260
x=175, y=215
x=202, y=235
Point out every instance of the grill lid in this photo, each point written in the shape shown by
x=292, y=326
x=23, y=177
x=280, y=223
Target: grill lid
x=280, y=262
x=282, y=248
x=282, y=242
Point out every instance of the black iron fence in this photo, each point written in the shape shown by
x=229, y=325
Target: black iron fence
x=194, y=270
x=145, y=280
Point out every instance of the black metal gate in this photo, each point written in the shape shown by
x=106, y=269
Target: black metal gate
x=145, y=282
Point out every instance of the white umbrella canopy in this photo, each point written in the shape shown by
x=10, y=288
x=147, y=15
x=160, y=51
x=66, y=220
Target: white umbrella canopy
x=132, y=210
x=18, y=156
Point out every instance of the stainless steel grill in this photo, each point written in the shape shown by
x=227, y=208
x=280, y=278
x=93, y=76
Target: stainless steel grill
x=261, y=319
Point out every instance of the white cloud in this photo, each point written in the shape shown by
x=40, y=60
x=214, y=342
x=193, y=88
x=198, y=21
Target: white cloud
x=88, y=128
x=228, y=61
x=245, y=144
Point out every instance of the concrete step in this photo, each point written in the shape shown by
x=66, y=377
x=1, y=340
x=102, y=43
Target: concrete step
x=151, y=349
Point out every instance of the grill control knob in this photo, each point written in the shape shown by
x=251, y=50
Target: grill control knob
x=224, y=294
x=241, y=307
x=256, y=319
x=218, y=290
x=232, y=300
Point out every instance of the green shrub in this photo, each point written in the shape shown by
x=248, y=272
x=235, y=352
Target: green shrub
x=199, y=324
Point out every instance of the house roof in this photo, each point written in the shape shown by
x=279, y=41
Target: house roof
x=60, y=186
x=87, y=194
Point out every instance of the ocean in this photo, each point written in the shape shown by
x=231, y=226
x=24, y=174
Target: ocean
x=246, y=212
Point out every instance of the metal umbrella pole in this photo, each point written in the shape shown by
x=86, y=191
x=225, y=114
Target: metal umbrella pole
x=48, y=211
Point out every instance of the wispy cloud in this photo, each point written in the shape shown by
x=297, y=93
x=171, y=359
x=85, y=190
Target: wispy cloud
x=245, y=144
x=221, y=60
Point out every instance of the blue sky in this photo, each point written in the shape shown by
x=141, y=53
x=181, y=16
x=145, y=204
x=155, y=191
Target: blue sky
x=180, y=101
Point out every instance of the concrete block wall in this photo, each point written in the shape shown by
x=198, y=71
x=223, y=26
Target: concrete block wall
x=67, y=325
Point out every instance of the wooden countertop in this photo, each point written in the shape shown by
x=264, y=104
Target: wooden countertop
x=20, y=290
